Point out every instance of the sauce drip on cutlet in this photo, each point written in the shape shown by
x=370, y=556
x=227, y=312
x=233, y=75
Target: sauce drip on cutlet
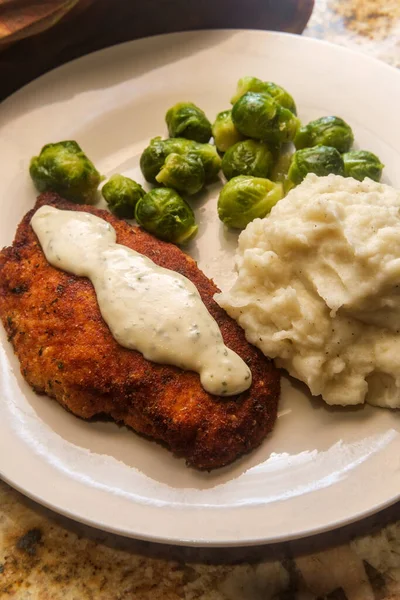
x=147, y=308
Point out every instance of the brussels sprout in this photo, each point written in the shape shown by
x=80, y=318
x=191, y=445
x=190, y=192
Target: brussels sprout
x=321, y=160
x=245, y=198
x=280, y=167
x=209, y=157
x=247, y=158
x=259, y=116
x=165, y=214
x=153, y=157
x=361, y=163
x=64, y=168
x=186, y=120
x=281, y=96
x=121, y=195
x=224, y=131
x=184, y=173
x=247, y=84
x=326, y=131
x=252, y=84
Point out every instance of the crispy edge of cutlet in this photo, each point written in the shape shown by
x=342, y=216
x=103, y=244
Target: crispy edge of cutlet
x=162, y=402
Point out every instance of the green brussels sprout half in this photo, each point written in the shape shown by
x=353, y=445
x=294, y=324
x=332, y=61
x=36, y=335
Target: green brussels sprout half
x=247, y=84
x=166, y=215
x=64, y=168
x=247, y=158
x=153, y=157
x=245, y=198
x=252, y=84
x=209, y=157
x=321, y=160
x=280, y=167
x=224, y=131
x=184, y=173
x=259, y=116
x=326, y=131
x=361, y=163
x=186, y=120
x=281, y=96
x=121, y=194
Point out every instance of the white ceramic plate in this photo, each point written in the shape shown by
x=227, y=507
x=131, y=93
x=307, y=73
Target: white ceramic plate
x=321, y=467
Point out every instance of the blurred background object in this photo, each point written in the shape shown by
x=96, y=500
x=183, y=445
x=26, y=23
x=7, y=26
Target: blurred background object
x=364, y=25
x=38, y=35
x=22, y=18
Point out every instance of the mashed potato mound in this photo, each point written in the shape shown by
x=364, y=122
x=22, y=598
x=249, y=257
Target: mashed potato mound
x=318, y=288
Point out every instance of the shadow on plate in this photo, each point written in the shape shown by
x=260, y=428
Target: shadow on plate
x=304, y=425
x=121, y=63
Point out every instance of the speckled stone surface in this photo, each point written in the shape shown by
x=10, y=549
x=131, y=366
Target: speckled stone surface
x=370, y=26
x=46, y=557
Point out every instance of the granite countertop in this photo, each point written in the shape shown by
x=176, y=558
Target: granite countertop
x=370, y=26
x=47, y=557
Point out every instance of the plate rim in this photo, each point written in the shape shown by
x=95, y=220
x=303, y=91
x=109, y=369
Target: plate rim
x=268, y=32
x=57, y=507
x=306, y=535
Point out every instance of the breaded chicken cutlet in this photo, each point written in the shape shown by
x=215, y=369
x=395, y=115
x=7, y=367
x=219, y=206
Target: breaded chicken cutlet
x=67, y=351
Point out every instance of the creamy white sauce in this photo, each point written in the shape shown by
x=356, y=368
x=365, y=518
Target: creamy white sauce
x=147, y=308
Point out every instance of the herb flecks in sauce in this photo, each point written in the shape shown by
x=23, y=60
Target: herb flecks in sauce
x=147, y=308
